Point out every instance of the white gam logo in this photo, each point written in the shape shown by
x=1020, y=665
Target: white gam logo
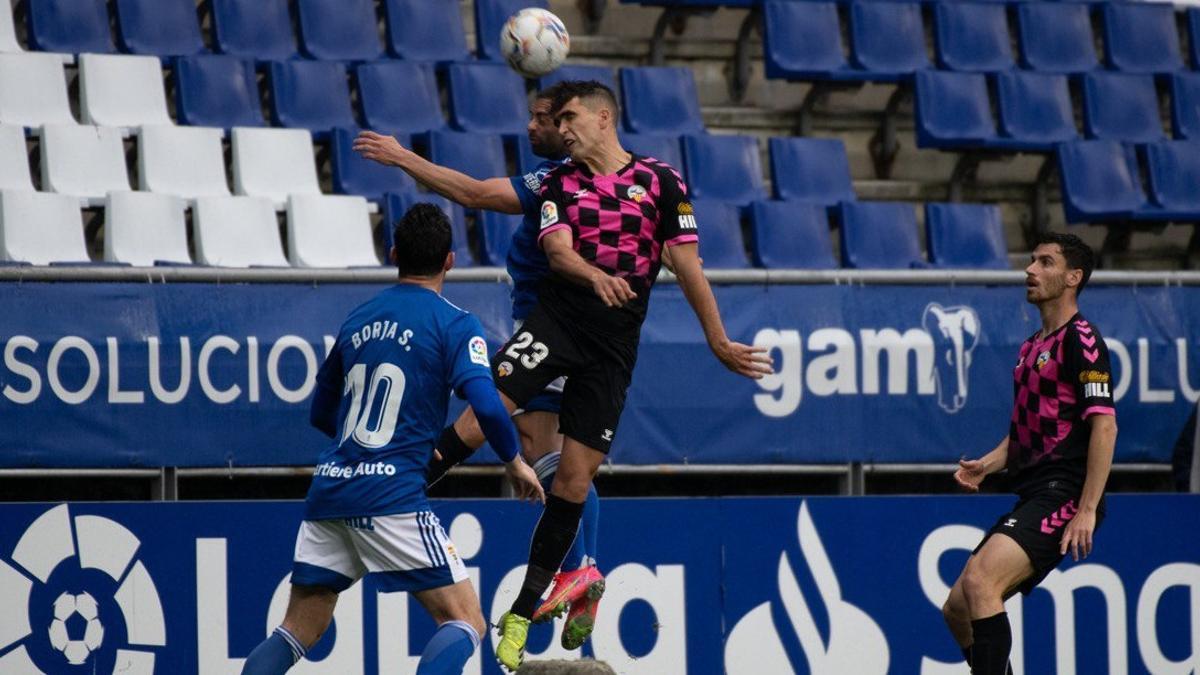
x=76, y=648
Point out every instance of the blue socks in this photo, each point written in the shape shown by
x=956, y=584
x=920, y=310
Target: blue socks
x=449, y=649
x=583, y=550
x=275, y=655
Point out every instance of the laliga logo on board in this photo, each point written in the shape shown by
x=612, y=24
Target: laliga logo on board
x=61, y=609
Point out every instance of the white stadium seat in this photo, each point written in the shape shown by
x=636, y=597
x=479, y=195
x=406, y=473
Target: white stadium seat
x=274, y=163
x=187, y=162
x=83, y=161
x=14, y=159
x=8, y=32
x=329, y=231
x=33, y=90
x=40, y=228
x=118, y=90
x=237, y=232
x=141, y=228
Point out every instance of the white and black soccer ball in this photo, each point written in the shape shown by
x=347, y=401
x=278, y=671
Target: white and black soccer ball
x=534, y=42
x=78, y=646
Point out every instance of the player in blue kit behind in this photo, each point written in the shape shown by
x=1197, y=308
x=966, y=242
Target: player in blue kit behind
x=382, y=395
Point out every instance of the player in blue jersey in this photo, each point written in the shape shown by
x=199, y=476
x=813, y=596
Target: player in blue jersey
x=537, y=422
x=382, y=396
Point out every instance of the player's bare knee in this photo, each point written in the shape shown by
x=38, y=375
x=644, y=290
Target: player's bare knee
x=978, y=586
x=955, y=611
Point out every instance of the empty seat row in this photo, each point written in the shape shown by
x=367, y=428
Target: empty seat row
x=1102, y=181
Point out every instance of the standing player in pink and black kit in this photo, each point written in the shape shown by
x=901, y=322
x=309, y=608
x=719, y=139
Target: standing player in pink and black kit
x=1058, y=453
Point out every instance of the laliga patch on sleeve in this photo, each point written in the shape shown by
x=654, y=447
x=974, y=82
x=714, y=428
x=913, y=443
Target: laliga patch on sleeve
x=549, y=214
x=478, y=349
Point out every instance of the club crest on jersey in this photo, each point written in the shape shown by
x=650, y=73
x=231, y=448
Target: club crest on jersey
x=1042, y=359
x=504, y=369
x=478, y=349
x=549, y=214
x=636, y=192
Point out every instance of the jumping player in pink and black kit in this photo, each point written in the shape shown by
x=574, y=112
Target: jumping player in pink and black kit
x=1058, y=454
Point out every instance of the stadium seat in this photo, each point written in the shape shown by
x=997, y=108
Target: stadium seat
x=790, y=235
x=1141, y=37
x=217, y=91
x=813, y=170
x=1056, y=37
x=274, y=163
x=973, y=37
x=33, y=90
x=186, y=162
x=477, y=155
x=414, y=108
x=254, y=29
x=69, y=26
x=339, y=30
x=802, y=40
x=329, y=231
x=1099, y=181
x=497, y=231
x=665, y=149
x=526, y=160
x=116, y=90
x=353, y=174
x=9, y=44
x=487, y=98
x=1034, y=109
x=879, y=235
x=660, y=100
x=313, y=95
x=14, y=159
x=1122, y=107
x=83, y=161
x=40, y=228
x=141, y=228
x=724, y=168
x=1193, y=22
x=720, y=229
x=490, y=16
x=419, y=30
x=602, y=74
x=1185, y=105
x=397, y=204
x=966, y=236
x=237, y=232
x=952, y=109
x=159, y=27
x=1174, y=174
x=887, y=39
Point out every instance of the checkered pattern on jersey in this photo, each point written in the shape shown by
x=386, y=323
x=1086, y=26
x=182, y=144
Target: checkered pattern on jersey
x=1044, y=409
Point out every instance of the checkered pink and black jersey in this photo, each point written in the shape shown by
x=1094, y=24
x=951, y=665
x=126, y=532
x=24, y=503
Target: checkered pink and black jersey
x=619, y=223
x=1060, y=381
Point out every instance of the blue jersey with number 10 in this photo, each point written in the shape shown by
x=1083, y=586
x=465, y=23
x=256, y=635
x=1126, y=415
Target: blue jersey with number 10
x=396, y=359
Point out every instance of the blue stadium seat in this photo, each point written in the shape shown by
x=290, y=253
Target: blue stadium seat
x=724, y=168
x=790, y=235
x=339, y=30
x=952, y=109
x=490, y=16
x=1174, y=172
x=159, y=27
x=887, y=39
x=1056, y=37
x=413, y=108
x=665, y=149
x=879, y=235
x=973, y=37
x=802, y=40
x=355, y=175
x=1141, y=37
x=313, y=95
x=1099, y=181
x=813, y=170
x=1122, y=107
x=419, y=30
x=397, y=203
x=1185, y=105
x=527, y=161
x=1193, y=22
x=487, y=98
x=602, y=74
x=216, y=91
x=477, y=155
x=1035, y=109
x=660, y=100
x=257, y=29
x=966, y=236
x=69, y=26
x=720, y=228
x=496, y=230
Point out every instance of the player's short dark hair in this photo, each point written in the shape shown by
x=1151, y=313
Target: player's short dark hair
x=422, y=239
x=1079, y=255
x=587, y=91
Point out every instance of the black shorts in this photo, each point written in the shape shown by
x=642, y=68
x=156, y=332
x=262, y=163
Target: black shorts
x=1037, y=523
x=598, y=371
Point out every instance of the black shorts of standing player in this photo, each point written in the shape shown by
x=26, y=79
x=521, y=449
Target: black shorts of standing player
x=1037, y=523
x=598, y=370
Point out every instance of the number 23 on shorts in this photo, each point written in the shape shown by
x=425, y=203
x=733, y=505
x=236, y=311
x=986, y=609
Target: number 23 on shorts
x=535, y=352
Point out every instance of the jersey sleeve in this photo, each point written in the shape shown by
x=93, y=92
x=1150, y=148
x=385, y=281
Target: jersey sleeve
x=529, y=186
x=1089, y=368
x=677, y=220
x=468, y=354
x=332, y=375
x=554, y=206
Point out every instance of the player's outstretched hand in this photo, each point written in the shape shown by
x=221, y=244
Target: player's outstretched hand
x=746, y=360
x=1077, y=538
x=524, y=481
x=614, y=291
x=378, y=147
x=970, y=474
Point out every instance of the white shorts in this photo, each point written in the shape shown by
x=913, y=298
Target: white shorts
x=405, y=552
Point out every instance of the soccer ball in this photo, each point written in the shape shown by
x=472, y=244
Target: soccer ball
x=534, y=42
x=76, y=649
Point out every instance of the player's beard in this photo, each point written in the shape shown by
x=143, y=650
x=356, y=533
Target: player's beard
x=548, y=149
